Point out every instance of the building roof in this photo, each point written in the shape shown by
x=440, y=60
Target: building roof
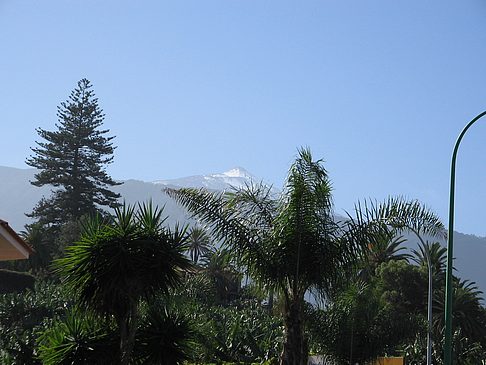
x=12, y=247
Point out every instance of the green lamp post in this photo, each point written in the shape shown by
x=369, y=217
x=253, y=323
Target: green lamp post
x=448, y=303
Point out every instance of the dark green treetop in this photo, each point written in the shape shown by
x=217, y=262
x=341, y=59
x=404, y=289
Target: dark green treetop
x=73, y=159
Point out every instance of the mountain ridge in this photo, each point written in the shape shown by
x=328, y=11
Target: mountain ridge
x=18, y=196
x=236, y=177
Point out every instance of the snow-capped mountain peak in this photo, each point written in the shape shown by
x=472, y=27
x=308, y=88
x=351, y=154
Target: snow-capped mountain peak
x=18, y=196
x=235, y=177
x=238, y=172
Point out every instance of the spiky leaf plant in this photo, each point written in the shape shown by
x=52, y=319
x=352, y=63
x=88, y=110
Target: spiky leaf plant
x=115, y=266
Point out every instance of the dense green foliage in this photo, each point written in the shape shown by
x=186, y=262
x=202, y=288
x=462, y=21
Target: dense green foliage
x=23, y=316
x=130, y=290
x=387, y=315
x=164, y=337
x=369, y=319
x=241, y=332
x=292, y=243
x=384, y=315
x=13, y=281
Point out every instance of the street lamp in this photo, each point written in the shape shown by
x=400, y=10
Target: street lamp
x=448, y=303
x=429, y=307
x=425, y=248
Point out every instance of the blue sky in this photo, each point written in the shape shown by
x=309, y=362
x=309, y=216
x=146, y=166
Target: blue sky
x=378, y=89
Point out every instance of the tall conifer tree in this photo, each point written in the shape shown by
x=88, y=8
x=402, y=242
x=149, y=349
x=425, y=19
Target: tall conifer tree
x=72, y=159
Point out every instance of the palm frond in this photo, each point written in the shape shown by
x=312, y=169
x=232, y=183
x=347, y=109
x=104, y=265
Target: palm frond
x=407, y=215
x=305, y=233
x=222, y=218
x=436, y=253
x=255, y=202
x=198, y=243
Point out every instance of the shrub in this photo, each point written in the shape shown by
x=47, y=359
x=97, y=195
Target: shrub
x=14, y=281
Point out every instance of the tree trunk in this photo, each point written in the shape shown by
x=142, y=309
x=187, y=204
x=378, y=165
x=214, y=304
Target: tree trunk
x=128, y=328
x=271, y=296
x=295, y=345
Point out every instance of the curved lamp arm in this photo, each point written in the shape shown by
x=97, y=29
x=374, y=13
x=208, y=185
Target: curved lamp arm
x=448, y=303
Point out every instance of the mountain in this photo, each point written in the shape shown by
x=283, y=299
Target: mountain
x=18, y=196
x=236, y=177
x=469, y=256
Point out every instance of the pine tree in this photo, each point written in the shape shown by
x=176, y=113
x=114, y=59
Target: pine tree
x=72, y=159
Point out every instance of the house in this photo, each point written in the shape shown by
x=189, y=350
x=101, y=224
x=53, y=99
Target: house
x=12, y=247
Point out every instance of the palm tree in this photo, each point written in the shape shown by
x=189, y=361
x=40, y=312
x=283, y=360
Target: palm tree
x=219, y=268
x=437, y=255
x=468, y=318
x=115, y=266
x=387, y=249
x=44, y=250
x=198, y=243
x=292, y=243
x=385, y=246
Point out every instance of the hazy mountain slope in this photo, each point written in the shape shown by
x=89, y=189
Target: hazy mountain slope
x=470, y=257
x=135, y=191
x=18, y=196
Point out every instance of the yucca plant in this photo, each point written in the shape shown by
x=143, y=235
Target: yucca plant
x=165, y=337
x=116, y=265
x=81, y=338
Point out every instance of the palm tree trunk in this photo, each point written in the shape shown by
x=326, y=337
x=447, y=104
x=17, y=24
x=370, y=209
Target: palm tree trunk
x=295, y=345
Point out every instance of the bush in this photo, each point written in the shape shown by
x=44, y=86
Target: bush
x=23, y=316
x=14, y=281
x=242, y=334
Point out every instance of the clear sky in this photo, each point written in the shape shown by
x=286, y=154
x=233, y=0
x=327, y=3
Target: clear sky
x=378, y=89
